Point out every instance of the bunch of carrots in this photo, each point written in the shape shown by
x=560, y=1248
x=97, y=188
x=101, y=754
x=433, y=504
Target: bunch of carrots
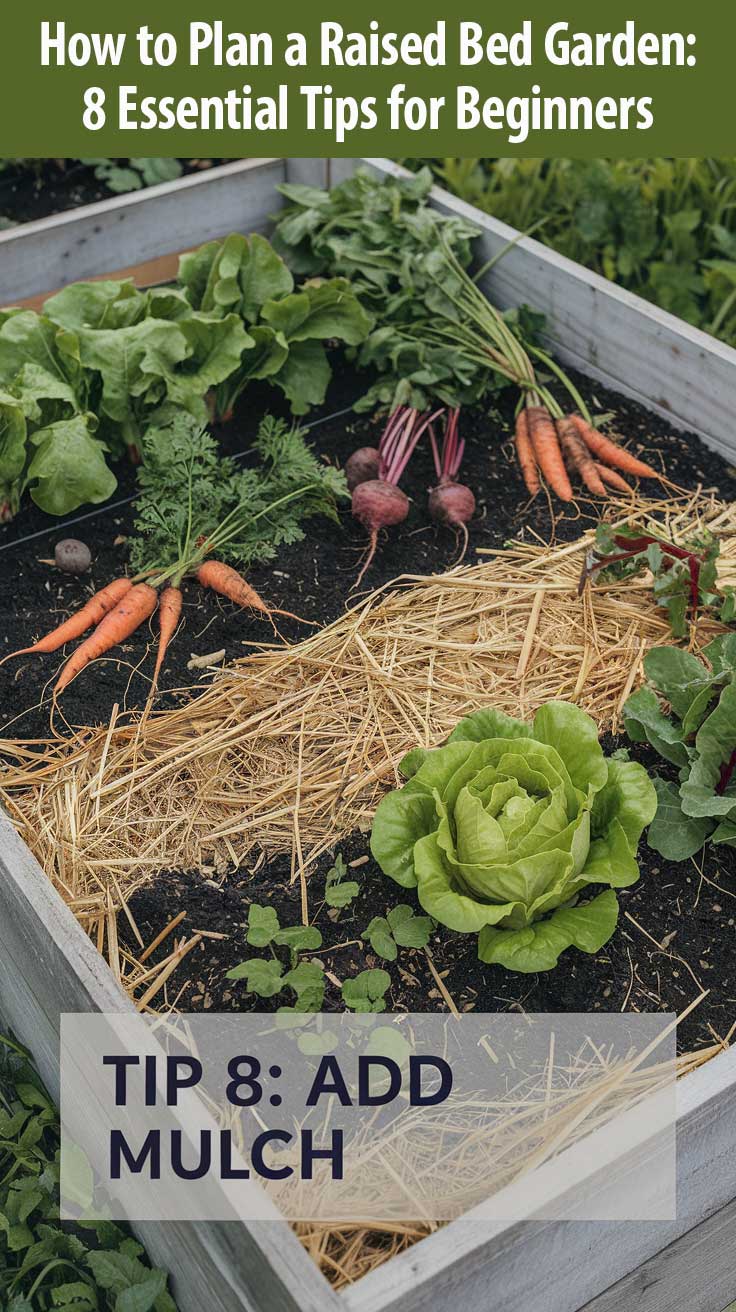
x=116, y=611
x=556, y=447
x=549, y=443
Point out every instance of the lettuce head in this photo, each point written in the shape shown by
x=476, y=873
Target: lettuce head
x=509, y=830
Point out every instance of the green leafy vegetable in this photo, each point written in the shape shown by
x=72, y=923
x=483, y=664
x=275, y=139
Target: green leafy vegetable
x=684, y=577
x=437, y=337
x=503, y=828
x=698, y=736
x=46, y=1263
x=245, y=276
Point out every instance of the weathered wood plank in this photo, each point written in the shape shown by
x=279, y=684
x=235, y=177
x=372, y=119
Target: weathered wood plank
x=533, y=1266
x=695, y=1274
x=40, y=257
x=675, y=370
x=49, y=966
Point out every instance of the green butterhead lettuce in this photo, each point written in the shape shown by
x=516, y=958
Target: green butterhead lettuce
x=505, y=827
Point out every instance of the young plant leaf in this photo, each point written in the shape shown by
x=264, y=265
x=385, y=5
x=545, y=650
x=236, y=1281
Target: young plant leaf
x=262, y=977
x=263, y=925
x=366, y=991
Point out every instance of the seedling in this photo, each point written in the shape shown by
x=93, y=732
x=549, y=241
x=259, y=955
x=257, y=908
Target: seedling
x=339, y=892
x=264, y=931
x=401, y=927
x=366, y=992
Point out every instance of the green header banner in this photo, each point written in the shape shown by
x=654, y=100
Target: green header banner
x=399, y=79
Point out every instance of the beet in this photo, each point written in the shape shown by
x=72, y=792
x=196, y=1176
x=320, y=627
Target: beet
x=378, y=505
x=451, y=503
x=363, y=464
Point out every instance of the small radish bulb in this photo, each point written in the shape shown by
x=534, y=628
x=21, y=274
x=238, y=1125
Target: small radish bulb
x=362, y=465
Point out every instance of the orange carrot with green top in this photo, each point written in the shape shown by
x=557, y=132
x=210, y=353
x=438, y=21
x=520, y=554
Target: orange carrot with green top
x=136, y=606
x=226, y=580
x=525, y=453
x=609, y=453
x=169, y=614
x=546, y=446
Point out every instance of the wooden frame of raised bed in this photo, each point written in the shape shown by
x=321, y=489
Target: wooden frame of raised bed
x=49, y=966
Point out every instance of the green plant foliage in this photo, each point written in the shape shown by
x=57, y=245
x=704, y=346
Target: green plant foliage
x=263, y=925
x=339, y=891
x=436, y=337
x=180, y=456
x=663, y=228
x=503, y=828
x=264, y=977
x=697, y=736
x=366, y=991
x=684, y=575
x=48, y=438
x=400, y=927
x=118, y=361
x=132, y=174
x=246, y=277
x=264, y=929
x=46, y=1263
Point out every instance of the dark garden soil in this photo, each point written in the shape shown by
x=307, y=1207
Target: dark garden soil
x=46, y=186
x=682, y=942
x=314, y=578
x=684, y=935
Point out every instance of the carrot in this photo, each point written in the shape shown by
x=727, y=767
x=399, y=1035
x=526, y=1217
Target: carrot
x=612, y=478
x=91, y=613
x=609, y=453
x=135, y=607
x=547, y=451
x=226, y=580
x=525, y=454
x=578, y=456
x=169, y=613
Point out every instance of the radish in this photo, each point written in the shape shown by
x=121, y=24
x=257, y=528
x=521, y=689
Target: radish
x=450, y=502
x=362, y=465
x=378, y=502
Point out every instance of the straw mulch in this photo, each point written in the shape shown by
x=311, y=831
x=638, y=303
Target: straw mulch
x=508, y=1143
x=291, y=748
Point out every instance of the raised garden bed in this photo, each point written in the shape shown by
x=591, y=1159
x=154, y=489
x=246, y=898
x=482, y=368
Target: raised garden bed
x=36, y=189
x=268, y=1269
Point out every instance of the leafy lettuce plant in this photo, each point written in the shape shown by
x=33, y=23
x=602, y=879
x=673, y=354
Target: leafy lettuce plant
x=49, y=442
x=284, y=328
x=503, y=829
x=697, y=736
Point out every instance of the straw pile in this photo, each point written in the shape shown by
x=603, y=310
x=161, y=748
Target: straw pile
x=540, y=1121
x=290, y=748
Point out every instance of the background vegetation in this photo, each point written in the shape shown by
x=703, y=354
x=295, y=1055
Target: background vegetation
x=663, y=228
